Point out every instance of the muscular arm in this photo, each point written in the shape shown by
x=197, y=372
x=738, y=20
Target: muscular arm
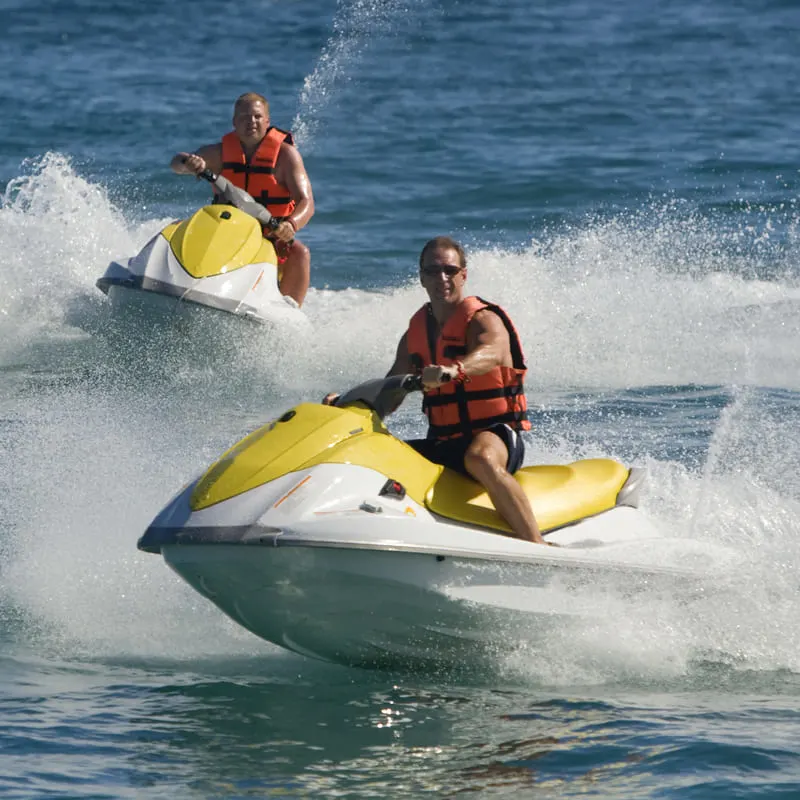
x=210, y=155
x=402, y=363
x=488, y=346
x=291, y=172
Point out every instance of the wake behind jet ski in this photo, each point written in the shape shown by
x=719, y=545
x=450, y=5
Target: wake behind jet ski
x=324, y=534
x=215, y=261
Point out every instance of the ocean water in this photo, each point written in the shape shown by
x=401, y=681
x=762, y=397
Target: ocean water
x=625, y=178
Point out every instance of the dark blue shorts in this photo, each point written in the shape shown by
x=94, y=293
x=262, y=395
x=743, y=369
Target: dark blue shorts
x=450, y=452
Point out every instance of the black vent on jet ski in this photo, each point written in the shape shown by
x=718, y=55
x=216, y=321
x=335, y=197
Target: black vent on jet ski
x=392, y=488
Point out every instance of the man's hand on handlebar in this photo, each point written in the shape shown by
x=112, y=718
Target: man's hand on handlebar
x=193, y=164
x=436, y=375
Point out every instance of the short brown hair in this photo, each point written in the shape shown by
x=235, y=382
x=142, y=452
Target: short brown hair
x=250, y=97
x=450, y=244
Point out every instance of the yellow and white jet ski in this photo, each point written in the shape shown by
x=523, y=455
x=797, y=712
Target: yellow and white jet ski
x=216, y=260
x=324, y=534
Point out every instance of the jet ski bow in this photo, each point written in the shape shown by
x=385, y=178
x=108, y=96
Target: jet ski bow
x=215, y=261
x=324, y=534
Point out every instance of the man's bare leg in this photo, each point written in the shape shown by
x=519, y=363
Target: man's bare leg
x=296, y=272
x=486, y=460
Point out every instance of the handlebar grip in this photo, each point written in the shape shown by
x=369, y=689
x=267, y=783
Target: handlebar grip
x=273, y=224
x=413, y=383
x=206, y=174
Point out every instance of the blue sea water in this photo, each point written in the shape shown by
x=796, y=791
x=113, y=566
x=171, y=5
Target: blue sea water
x=625, y=178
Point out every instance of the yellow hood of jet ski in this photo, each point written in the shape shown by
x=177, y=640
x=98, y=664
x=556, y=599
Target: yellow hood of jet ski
x=218, y=239
x=312, y=434
x=352, y=435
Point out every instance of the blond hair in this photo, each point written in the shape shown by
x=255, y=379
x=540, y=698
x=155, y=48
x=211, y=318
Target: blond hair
x=250, y=97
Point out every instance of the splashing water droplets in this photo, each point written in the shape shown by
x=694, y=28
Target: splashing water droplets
x=355, y=27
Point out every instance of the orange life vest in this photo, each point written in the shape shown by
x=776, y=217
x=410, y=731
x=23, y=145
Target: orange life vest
x=462, y=409
x=257, y=176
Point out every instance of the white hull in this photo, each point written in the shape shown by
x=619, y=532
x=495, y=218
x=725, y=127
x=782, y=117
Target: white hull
x=154, y=285
x=356, y=607
x=322, y=533
x=193, y=319
x=339, y=580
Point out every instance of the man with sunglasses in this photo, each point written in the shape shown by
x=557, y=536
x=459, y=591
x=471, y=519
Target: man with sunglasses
x=472, y=366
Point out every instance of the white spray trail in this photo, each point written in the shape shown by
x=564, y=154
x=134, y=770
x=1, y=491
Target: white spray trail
x=602, y=308
x=356, y=24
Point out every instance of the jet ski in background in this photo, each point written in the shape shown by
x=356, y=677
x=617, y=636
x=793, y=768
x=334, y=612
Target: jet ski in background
x=216, y=261
x=324, y=534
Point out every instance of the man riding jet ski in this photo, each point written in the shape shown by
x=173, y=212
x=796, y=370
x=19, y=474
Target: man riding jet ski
x=470, y=360
x=237, y=255
x=262, y=160
x=324, y=534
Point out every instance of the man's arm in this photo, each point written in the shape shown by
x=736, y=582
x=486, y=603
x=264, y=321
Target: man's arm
x=291, y=172
x=402, y=363
x=209, y=156
x=488, y=346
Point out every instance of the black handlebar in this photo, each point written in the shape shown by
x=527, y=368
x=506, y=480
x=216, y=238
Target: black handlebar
x=206, y=174
x=240, y=199
x=412, y=383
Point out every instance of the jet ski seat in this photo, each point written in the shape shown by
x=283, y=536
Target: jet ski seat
x=559, y=494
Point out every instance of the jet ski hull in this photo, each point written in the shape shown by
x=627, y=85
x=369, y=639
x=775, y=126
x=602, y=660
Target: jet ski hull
x=376, y=602
x=374, y=582
x=325, y=535
x=214, y=264
x=354, y=607
x=165, y=306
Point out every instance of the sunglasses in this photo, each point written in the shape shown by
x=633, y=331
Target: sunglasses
x=449, y=269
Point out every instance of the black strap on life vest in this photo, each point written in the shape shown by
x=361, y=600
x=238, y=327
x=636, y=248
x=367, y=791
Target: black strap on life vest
x=483, y=394
x=462, y=398
x=511, y=418
x=517, y=359
x=265, y=198
x=249, y=169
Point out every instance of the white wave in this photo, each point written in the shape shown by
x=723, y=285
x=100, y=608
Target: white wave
x=607, y=307
x=614, y=305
